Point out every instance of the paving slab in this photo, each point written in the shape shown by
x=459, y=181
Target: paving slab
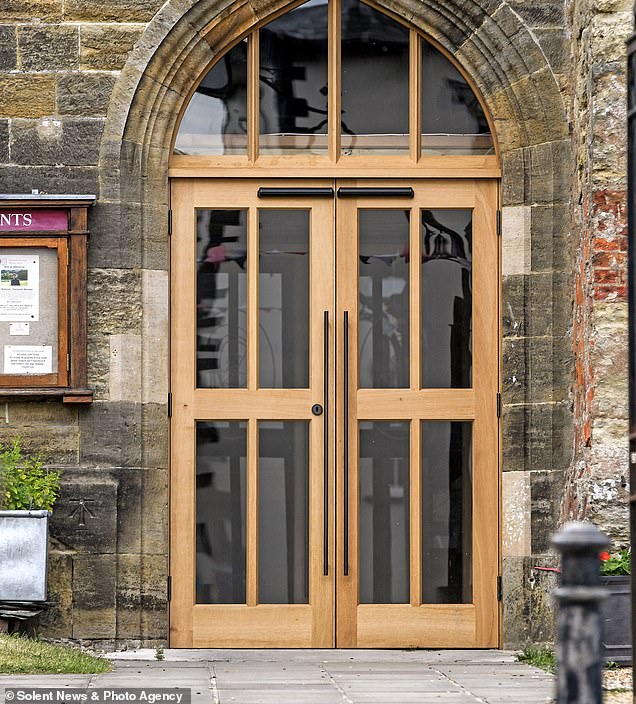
x=320, y=676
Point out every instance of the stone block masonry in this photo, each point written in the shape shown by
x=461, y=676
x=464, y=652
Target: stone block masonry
x=90, y=91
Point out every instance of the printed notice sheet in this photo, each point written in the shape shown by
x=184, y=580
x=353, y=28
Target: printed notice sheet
x=28, y=359
x=19, y=287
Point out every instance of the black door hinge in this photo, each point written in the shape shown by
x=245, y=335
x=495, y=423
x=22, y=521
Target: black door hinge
x=499, y=223
x=170, y=404
x=170, y=222
x=498, y=405
x=499, y=588
x=169, y=587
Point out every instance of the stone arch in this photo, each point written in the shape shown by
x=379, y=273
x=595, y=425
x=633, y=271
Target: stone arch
x=508, y=66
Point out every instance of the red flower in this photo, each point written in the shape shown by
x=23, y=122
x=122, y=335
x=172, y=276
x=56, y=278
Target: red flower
x=604, y=556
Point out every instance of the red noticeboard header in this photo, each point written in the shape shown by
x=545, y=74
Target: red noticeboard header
x=36, y=219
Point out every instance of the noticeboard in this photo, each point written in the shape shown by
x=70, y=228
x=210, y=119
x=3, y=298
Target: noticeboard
x=43, y=243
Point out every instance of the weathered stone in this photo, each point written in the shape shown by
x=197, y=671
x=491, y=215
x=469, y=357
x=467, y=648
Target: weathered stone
x=43, y=413
x=85, y=515
x=550, y=232
x=57, y=620
x=515, y=498
x=528, y=604
x=50, y=179
x=156, y=431
x=535, y=436
x=154, y=617
x=31, y=10
x=94, y=588
x=545, y=13
x=26, y=96
x=8, y=48
x=57, y=444
x=545, y=487
x=110, y=435
x=48, y=48
x=129, y=576
x=120, y=311
x=4, y=141
x=125, y=368
x=155, y=333
x=554, y=44
x=84, y=94
x=48, y=141
x=515, y=244
x=99, y=365
x=115, y=235
x=112, y=11
x=106, y=48
x=154, y=515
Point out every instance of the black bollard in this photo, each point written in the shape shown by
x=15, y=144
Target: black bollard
x=578, y=645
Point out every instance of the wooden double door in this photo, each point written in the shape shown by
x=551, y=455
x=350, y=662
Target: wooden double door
x=334, y=442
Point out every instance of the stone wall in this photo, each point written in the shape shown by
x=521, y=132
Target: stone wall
x=89, y=94
x=59, y=63
x=597, y=484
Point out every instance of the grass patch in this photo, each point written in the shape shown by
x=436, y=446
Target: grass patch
x=538, y=657
x=26, y=656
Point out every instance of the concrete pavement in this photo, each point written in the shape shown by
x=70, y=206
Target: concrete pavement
x=320, y=676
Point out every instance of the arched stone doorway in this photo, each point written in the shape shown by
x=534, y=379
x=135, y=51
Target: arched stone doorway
x=518, y=88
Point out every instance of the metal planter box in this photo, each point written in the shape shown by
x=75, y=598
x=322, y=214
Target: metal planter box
x=616, y=618
x=24, y=545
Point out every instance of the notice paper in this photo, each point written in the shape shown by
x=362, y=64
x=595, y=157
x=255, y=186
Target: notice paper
x=28, y=359
x=19, y=287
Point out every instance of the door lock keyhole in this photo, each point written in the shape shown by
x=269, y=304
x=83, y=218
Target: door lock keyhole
x=316, y=409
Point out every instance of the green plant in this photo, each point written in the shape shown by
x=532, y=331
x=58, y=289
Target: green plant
x=538, y=657
x=615, y=563
x=159, y=653
x=25, y=484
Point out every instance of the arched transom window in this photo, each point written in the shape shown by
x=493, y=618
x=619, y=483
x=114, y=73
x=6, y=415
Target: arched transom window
x=335, y=79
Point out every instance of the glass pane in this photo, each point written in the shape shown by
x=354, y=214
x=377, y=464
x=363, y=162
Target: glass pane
x=447, y=299
x=375, y=75
x=283, y=299
x=383, y=307
x=220, y=519
x=453, y=121
x=447, y=510
x=221, y=299
x=215, y=121
x=293, y=81
x=29, y=310
x=283, y=512
x=383, y=527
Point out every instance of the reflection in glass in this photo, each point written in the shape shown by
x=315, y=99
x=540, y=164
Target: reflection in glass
x=447, y=299
x=283, y=512
x=383, y=310
x=384, y=541
x=221, y=299
x=215, y=121
x=283, y=299
x=293, y=81
x=375, y=81
x=453, y=121
x=446, y=513
x=220, y=512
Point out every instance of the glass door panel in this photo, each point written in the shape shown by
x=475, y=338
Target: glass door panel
x=415, y=413
x=251, y=541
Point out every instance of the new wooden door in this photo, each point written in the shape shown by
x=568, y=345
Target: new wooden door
x=334, y=462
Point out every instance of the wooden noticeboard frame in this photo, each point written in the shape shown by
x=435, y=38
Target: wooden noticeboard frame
x=60, y=223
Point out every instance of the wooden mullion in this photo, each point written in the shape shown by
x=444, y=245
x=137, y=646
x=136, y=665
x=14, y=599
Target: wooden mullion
x=251, y=543
x=252, y=298
x=334, y=97
x=415, y=83
x=253, y=81
x=77, y=319
x=416, y=513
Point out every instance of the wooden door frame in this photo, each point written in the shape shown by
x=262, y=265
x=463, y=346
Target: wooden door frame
x=491, y=193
